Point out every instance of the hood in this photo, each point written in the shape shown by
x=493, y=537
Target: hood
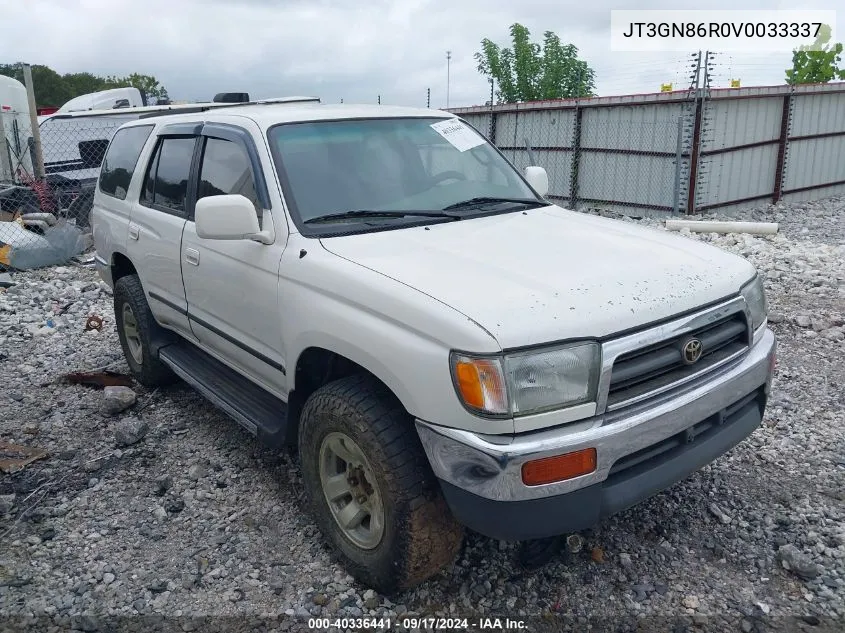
x=550, y=274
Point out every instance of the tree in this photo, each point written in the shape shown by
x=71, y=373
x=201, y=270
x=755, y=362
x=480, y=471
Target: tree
x=54, y=89
x=49, y=86
x=147, y=84
x=529, y=72
x=816, y=66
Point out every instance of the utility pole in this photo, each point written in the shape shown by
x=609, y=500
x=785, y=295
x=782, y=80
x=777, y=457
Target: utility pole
x=428, y=97
x=379, y=99
x=448, y=75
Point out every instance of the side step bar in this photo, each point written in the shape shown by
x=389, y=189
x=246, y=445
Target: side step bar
x=259, y=412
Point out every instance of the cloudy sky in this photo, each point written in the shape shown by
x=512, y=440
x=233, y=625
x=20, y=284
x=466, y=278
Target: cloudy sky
x=350, y=49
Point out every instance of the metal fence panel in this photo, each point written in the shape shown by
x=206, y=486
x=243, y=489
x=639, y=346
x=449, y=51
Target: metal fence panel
x=817, y=162
x=822, y=113
x=741, y=122
x=729, y=177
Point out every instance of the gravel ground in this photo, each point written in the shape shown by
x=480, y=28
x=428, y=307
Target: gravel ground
x=196, y=518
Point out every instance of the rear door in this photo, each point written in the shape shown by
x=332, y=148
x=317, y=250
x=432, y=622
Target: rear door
x=158, y=219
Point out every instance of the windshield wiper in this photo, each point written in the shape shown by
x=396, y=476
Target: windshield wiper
x=366, y=213
x=491, y=200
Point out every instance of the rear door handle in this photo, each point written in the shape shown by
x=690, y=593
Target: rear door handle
x=192, y=256
x=134, y=231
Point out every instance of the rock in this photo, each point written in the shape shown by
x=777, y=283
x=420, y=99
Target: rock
x=92, y=466
x=108, y=578
x=834, y=334
x=130, y=431
x=174, y=506
x=371, y=603
x=189, y=581
x=776, y=317
x=320, y=599
x=802, y=320
x=819, y=325
x=792, y=559
x=716, y=511
x=7, y=502
x=162, y=485
x=160, y=513
x=625, y=559
x=369, y=593
x=597, y=555
x=197, y=472
x=157, y=586
x=691, y=602
x=117, y=399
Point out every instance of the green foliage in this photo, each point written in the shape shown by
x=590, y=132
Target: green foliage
x=816, y=66
x=145, y=83
x=53, y=89
x=529, y=72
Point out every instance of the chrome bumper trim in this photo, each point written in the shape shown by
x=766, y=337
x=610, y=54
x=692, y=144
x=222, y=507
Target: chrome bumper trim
x=491, y=466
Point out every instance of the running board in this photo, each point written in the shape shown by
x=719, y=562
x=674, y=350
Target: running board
x=258, y=411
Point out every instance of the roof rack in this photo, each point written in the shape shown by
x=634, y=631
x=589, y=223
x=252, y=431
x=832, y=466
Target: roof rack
x=204, y=107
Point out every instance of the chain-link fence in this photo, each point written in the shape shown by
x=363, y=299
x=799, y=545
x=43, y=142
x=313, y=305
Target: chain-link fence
x=47, y=181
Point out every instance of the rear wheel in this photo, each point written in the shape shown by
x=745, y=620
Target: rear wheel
x=370, y=487
x=136, y=329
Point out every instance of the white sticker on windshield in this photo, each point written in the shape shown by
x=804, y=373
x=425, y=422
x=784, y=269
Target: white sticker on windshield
x=458, y=134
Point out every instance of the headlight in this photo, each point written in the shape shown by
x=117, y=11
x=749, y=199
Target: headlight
x=755, y=298
x=528, y=382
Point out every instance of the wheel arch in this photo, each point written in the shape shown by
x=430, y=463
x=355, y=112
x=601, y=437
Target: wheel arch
x=320, y=363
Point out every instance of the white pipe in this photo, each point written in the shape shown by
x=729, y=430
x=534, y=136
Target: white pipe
x=698, y=226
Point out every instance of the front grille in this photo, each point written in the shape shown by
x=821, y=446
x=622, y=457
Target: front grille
x=659, y=366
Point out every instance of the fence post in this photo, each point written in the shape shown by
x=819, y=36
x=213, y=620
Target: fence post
x=38, y=159
x=694, y=153
x=676, y=205
x=576, y=157
x=5, y=163
x=780, y=164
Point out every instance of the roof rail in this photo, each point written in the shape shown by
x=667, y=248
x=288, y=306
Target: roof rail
x=204, y=107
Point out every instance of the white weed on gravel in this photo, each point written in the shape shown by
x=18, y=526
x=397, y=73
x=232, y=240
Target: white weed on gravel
x=178, y=512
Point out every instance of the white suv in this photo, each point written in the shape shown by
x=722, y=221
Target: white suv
x=447, y=348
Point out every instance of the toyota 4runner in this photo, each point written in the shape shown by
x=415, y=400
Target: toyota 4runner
x=382, y=289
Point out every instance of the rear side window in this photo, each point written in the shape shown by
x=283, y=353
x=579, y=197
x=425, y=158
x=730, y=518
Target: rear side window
x=226, y=170
x=121, y=158
x=166, y=181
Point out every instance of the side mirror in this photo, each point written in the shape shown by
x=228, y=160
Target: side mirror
x=229, y=217
x=538, y=179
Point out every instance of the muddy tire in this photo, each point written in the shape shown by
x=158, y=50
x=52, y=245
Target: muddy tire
x=416, y=537
x=139, y=333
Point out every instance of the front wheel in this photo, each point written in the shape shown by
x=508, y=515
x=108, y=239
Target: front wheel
x=370, y=487
x=136, y=328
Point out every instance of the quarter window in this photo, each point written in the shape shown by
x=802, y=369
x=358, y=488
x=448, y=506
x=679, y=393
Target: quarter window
x=121, y=158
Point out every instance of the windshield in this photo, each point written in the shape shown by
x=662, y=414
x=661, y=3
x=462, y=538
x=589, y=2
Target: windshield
x=352, y=169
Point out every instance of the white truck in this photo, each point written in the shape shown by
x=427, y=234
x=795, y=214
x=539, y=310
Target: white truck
x=382, y=289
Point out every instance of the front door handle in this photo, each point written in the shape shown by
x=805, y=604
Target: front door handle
x=192, y=256
x=134, y=231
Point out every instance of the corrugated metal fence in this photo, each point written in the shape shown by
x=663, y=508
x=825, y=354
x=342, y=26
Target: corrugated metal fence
x=686, y=152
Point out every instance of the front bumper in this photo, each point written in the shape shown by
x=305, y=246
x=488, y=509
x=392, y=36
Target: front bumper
x=640, y=450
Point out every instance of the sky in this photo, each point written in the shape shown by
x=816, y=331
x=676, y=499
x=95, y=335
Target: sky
x=353, y=50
